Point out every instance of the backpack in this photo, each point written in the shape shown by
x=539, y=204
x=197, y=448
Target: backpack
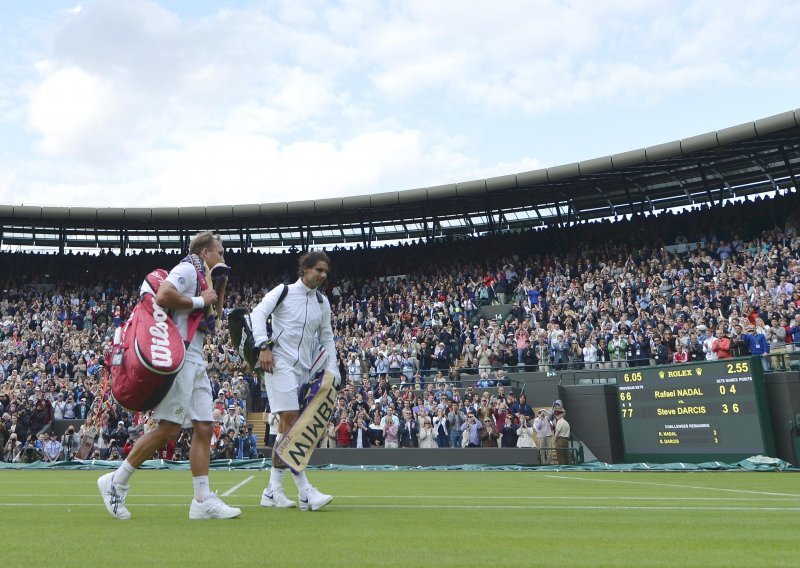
x=241, y=329
x=148, y=350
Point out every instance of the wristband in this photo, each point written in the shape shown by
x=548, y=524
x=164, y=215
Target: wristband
x=198, y=303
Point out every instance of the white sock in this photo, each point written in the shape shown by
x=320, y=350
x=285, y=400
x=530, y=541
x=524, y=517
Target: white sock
x=123, y=474
x=276, y=478
x=301, y=481
x=202, y=490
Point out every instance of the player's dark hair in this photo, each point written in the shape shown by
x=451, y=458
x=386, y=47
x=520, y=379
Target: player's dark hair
x=310, y=260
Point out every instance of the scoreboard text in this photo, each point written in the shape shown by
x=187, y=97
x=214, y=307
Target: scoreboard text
x=710, y=410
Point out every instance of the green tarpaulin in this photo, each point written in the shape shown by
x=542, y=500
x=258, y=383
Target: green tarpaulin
x=755, y=463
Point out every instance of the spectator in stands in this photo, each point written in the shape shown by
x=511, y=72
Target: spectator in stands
x=360, y=436
x=590, y=353
x=603, y=354
x=353, y=367
x=70, y=443
x=661, y=351
x=489, y=435
x=82, y=409
x=225, y=448
x=695, y=348
x=389, y=431
x=484, y=409
x=544, y=434
x=41, y=415
x=343, y=432
x=120, y=434
x=508, y=432
x=722, y=344
x=376, y=430
x=793, y=331
x=525, y=434
x=470, y=437
x=126, y=449
x=575, y=355
x=680, y=356
x=329, y=439
x=739, y=347
x=69, y=408
x=242, y=442
x=485, y=382
x=708, y=344
x=522, y=341
x=501, y=379
x=12, y=449
x=641, y=350
x=53, y=450
x=777, y=343
x=563, y=435
x=455, y=419
x=408, y=430
x=618, y=348
x=758, y=345
x=483, y=354
x=427, y=437
x=58, y=407
x=441, y=428
x=521, y=408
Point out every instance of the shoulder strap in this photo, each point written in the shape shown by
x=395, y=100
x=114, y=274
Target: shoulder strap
x=319, y=296
x=282, y=297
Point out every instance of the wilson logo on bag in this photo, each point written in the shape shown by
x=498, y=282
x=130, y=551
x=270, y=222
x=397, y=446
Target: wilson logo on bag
x=148, y=352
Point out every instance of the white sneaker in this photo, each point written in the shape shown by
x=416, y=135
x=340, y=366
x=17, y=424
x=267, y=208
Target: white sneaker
x=313, y=500
x=276, y=498
x=212, y=508
x=114, y=496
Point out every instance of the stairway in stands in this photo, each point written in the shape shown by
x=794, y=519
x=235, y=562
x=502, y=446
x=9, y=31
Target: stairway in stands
x=259, y=426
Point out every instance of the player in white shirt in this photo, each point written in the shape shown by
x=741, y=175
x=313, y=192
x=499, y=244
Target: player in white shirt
x=189, y=400
x=301, y=322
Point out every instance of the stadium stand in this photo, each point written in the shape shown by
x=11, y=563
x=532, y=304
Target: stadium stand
x=417, y=325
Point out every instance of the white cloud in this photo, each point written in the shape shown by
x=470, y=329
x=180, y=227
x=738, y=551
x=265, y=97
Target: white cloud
x=542, y=56
x=246, y=168
x=133, y=104
x=70, y=108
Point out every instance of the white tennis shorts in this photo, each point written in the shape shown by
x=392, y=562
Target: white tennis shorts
x=283, y=386
x=189, y=398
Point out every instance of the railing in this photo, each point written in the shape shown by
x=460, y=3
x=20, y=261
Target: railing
x=574, y=454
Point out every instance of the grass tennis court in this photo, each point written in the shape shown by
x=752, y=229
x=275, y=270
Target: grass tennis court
x=411, y=518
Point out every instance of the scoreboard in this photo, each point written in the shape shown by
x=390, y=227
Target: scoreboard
x=694, y=412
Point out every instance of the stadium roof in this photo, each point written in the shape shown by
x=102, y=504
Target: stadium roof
x=742, y=160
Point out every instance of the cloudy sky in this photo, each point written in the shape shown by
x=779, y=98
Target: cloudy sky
x=145, y=103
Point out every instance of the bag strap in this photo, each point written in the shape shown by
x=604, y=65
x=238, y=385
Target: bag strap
x=195, y=316
x=281, y=298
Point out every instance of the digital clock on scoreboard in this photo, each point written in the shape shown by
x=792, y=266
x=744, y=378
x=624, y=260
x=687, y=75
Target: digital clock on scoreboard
x=695, y=412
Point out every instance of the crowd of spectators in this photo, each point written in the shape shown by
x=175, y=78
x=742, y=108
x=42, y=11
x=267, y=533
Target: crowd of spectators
x=710, y=283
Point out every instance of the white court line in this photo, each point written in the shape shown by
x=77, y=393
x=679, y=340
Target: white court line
x=446, y=497
x=576, y=507
x=71, y=495
x=233, y=489
x=749, y=491
x=462, y=507
x=553, y=498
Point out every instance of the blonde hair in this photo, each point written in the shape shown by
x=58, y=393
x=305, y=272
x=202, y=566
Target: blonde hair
x=203, y=240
